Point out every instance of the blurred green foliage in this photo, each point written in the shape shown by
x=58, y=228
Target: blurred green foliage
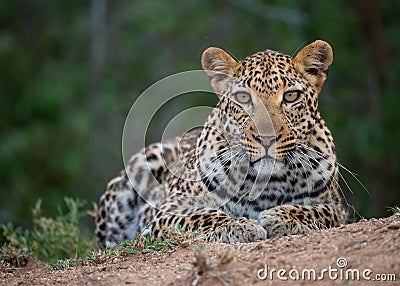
x=63, y=98
x=50, y=239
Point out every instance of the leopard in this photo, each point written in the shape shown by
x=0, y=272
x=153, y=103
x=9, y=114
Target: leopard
x=263, y=165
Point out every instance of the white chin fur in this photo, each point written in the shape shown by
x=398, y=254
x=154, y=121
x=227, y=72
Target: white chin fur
x=266, y=166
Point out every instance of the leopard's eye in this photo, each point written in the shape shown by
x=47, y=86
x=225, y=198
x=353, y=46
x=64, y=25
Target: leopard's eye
x=291, y=96
x=242, y=97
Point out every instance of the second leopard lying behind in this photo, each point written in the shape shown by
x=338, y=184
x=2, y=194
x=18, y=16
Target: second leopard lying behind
x=263, y=165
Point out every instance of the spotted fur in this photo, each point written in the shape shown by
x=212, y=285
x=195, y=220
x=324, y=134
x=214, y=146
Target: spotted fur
x=263, y=165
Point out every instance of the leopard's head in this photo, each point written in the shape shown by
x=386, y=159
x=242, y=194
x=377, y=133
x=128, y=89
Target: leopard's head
x=269, y=100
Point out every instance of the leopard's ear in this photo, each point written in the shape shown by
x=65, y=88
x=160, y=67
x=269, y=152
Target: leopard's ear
x=219, y=66
x=313, y=61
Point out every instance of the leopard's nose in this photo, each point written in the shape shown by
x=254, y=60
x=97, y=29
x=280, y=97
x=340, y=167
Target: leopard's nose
x=266, y=141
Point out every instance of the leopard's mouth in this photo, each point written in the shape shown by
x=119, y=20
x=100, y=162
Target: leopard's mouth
x=267, y=158
x=265, y=165
x=263, y=158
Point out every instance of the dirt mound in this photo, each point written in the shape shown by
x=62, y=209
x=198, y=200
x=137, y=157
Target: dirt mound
x=364, y=253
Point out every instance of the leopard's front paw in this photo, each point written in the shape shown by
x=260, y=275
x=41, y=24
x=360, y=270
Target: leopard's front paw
x=242, y=230
x=273, y=224
x=278, y=224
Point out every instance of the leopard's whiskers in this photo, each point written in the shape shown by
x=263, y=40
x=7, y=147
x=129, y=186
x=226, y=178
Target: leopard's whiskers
x=331, y=161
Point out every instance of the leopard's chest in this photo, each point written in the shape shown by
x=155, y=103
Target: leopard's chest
x=252, y=203
x=249, y=194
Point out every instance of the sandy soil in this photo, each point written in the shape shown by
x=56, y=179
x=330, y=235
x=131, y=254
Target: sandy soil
x=370, y=248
